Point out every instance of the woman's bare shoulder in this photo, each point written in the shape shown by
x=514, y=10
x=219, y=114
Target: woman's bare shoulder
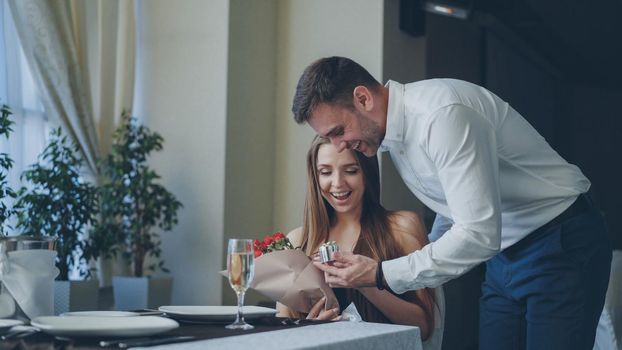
x=408, y=229
x=295, y=236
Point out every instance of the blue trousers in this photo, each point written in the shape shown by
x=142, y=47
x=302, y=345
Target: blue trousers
x=547, y=291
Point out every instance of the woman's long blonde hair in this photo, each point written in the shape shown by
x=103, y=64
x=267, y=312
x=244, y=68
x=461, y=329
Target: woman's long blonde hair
x=375, y=240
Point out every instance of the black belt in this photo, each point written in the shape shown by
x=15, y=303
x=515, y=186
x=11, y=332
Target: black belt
x=581, y=205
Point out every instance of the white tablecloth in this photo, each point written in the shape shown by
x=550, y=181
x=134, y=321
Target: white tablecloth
x=336, y=335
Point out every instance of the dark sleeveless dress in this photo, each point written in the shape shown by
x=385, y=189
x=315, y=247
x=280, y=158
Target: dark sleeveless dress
x=368, y=311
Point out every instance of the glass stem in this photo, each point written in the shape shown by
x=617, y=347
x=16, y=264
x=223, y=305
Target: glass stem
x=240, y=317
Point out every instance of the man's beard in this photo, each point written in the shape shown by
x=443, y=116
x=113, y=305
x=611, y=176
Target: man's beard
x=372, y=134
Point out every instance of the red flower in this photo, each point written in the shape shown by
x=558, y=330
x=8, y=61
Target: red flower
x=270, y=243
x=268, y=240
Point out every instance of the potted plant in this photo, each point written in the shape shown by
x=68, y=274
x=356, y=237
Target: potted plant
x=134, y=207
x=6, y=163
x=106, y=238
x=61, y=204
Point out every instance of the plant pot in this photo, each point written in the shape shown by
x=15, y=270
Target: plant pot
x=104, y=272
x=107, y=268
x=133, y=293
x=75, y=296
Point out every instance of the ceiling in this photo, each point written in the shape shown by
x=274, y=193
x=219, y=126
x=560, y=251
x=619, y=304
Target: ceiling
x=583, y=39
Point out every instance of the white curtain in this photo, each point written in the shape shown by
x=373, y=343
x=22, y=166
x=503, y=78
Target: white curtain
x=108, y=48
x=81, y=53
x=17, y=90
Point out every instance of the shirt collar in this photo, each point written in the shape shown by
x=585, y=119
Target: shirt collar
x=394, y=132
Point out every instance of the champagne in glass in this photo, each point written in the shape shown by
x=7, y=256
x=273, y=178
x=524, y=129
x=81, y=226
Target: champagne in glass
x=241, y=268
x=240, y=271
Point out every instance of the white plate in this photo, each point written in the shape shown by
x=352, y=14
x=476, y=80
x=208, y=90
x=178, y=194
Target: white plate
x=6, y=324
x=98, y=326
x=215, y=313
x=101, y=313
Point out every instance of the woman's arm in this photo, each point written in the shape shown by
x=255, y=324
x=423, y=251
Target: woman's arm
x=317, y=312
x=400, y=311
x=417, y=308
x=284, y=311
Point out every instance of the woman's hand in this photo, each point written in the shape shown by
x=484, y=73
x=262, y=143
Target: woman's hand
x=317, y=312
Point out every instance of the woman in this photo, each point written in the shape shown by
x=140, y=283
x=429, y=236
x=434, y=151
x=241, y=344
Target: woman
x=343, y=205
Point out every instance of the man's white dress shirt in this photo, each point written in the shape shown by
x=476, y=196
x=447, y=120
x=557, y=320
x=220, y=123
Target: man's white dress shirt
x=475, y=161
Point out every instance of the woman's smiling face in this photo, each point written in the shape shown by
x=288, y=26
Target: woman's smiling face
x=340, y=178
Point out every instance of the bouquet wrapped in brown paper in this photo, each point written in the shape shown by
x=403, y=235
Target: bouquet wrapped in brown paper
x=287, y=275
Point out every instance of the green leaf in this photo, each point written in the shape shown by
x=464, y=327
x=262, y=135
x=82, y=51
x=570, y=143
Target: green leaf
x=131, y=197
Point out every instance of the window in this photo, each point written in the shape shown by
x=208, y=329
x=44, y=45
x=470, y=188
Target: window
x=18, y=90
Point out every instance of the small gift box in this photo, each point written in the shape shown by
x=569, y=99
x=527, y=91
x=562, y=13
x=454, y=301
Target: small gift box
x=327, y=250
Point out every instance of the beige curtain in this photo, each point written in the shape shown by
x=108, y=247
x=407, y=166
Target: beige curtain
x=81, y=53
x=108, y=48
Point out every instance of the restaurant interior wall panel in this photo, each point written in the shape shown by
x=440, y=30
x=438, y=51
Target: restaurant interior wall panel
x=181, y=93
x=404, y=61
x=250, y=145
x=306, y=31
x=593, y=140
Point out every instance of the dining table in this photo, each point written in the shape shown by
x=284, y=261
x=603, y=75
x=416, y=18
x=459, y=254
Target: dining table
x=269, y=333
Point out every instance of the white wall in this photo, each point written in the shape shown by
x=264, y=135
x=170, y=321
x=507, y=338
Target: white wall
x=308, y=30
x=181, y=93
x=216, y=78
x=250, y=124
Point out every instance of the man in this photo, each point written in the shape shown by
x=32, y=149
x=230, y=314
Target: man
x=501, y=193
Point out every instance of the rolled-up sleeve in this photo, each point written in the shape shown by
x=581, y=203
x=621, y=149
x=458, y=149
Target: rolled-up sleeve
x=462, y=146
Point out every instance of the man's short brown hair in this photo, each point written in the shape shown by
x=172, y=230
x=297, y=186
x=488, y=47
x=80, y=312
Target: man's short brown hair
x=329, y=80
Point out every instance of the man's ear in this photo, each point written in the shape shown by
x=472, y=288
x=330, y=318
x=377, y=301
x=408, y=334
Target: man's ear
x=363, y=99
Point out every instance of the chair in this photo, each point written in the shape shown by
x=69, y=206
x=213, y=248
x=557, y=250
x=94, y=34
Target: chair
x=435, y=341
x=609, y=331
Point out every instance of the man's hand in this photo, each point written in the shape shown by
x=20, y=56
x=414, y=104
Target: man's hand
x=349, y=271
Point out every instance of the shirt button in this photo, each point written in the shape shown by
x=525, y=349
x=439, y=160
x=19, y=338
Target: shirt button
x=402, y=152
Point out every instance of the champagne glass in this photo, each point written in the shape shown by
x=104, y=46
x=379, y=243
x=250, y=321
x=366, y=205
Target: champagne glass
x=241, y=269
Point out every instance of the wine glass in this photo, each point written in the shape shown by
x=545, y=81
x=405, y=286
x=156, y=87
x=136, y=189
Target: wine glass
x=241, y=269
